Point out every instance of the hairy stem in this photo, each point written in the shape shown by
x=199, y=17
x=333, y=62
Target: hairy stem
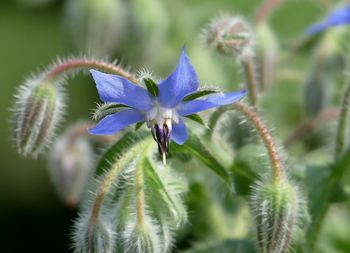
x=79, y=63
x=343, y=124
x=252, y=87
x=140, y=185
x=140, y=195
x=276, y=163
x=108, y=182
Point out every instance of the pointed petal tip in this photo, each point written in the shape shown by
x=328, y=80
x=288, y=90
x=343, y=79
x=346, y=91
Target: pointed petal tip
x=94, y=71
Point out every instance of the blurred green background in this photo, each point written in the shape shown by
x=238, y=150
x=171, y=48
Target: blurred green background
x=34, y=33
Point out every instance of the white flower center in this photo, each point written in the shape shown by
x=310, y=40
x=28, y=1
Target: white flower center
x=159, y=116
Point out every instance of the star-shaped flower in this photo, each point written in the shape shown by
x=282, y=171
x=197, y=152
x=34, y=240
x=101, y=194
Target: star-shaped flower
x=340, y=16
x=161, y=106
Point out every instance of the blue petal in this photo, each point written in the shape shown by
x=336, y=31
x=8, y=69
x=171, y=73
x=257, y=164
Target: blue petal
x=339, y=16
x=211, y=101
x=113, y=88
x=179, y=132
x=180, y=83
x=117, y=121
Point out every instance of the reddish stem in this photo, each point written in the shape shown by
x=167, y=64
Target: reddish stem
x=89, y=63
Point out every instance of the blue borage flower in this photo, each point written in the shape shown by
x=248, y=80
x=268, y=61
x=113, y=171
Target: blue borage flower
x=161, y=109
x=340, y=16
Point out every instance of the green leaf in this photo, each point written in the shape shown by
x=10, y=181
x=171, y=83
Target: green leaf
x=196, y=118
x=322, y=183
x=165, y=192
x=152, y=87
x=199, y=94
x=195, y=147
x=138, y=125
x=129, y=140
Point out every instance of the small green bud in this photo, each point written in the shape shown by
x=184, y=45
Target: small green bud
x=275, y=205
x=230, y=35
x=37, y=111
x=71, y=162
x=96, y=27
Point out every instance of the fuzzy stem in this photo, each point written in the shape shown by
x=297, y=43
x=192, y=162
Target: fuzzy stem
x=277, y=168
x=88, y=63
x=249, y=70
x=140, y=196
x=107, y=183
x=343, y=124
x=140, y=185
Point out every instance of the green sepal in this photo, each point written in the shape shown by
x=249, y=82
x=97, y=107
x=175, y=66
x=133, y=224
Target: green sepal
x=199, y=94
x=196, y=118
x=194, y=146
x=138, y=125
x=151, y=86
x=106, y=109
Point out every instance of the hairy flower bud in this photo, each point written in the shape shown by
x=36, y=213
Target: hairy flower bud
x=37, y=112
x=95, y=26
x=275, y=206
x=71, y=161
x=97, y=237
x=230, y=35
x=141, y=239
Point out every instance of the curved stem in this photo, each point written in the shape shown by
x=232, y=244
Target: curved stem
x=252, y=87
x=140, y=196
x=343, y=124
x=81, y=130
x=77, y=63
x=276, y=163
x=140, y=185
x=108, y=182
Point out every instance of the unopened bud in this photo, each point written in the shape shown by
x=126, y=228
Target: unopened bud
x=141, y=239
x=275, y=206
x=95, y=27
x=71, y=162
x=230, y=35
x=96, y=237
x=37, y=111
